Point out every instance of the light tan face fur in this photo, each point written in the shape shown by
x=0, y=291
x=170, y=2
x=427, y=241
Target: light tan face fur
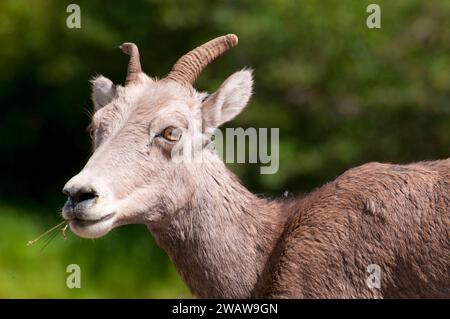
x=131, y=175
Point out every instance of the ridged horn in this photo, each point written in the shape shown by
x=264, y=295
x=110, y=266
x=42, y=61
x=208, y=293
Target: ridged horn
x=189, y=66
x=134, y=65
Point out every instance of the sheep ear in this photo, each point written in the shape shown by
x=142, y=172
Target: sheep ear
x=103, y=91
x=228, y=101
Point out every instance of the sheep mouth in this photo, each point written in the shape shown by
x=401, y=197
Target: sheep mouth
x=88, y=222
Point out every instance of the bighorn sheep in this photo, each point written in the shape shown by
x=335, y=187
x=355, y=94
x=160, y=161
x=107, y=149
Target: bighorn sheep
x=226, y=241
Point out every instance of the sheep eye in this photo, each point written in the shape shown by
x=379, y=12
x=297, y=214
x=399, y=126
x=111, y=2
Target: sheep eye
x=172, y=133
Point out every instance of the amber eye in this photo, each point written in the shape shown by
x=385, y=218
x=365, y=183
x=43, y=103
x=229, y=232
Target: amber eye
x=171, y=133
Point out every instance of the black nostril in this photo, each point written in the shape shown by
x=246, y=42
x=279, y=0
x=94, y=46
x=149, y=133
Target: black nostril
x=86, y=196
x=79, y=195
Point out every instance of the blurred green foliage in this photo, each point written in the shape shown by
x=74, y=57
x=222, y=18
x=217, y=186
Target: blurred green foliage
x=121, y=265
x=340, y=93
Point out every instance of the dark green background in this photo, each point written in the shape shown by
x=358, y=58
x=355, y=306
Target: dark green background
x=341, y=94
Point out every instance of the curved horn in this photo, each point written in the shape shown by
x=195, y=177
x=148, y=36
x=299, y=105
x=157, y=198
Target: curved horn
x=134, y=65
x=189, y=66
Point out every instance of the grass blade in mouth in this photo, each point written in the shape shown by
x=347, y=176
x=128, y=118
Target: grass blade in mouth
x=63, y=230
x=62, y=226
x=49, y=239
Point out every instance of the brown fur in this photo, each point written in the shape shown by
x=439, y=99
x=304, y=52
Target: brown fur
x=320, y=246
x=392, y=215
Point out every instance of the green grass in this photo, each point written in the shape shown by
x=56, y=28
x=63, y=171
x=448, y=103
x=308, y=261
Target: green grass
x=124, y=264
